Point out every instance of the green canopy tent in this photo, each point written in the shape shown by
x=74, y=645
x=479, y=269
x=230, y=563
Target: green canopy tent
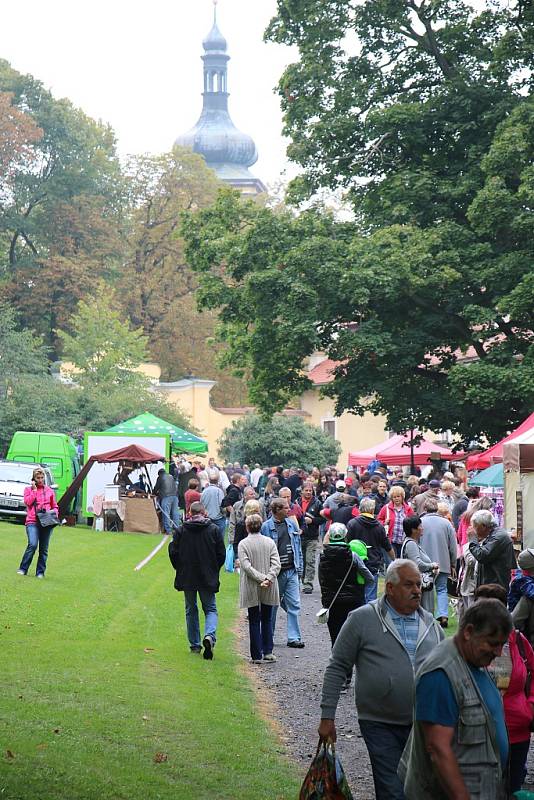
x=182, y=441
x=491, y=477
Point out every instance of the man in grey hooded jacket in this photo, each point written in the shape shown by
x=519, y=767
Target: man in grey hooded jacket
x=386, y=640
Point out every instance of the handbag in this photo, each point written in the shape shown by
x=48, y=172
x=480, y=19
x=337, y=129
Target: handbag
x=323, y=614
x=46, y=519
x=427, y=578
x=325, y=779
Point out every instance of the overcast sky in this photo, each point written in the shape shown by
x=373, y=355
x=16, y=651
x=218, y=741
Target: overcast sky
x=136, y=65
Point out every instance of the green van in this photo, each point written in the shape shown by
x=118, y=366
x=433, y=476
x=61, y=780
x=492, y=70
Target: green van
x=56, y=450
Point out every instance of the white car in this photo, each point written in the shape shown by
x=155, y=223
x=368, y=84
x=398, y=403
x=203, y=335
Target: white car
x=15, y=476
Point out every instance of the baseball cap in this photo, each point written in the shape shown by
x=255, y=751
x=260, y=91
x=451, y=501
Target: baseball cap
x=337, y=533
x=525, y=559
x=340, y=484
x=434, y=484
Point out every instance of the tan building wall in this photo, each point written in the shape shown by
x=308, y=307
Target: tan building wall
x=193, y=397
x=352, y=432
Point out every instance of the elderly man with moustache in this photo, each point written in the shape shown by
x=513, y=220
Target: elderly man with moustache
x=386, y=640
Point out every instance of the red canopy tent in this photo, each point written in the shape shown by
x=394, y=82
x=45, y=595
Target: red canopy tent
x=495, y=454
x=133, y=453
x=396, y=452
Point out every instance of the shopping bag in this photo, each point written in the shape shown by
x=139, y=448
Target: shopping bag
x=325, y=779
x=229, y=561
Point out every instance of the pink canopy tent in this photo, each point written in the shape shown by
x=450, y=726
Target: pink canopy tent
x=495, y=454
x=396, y=452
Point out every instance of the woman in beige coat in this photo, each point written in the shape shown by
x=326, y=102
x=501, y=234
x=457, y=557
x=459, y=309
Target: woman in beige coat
x=258, y=587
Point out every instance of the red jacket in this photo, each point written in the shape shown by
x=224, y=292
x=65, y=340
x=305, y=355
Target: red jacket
x=45, y=499
x=518, y=712
x=408, y=510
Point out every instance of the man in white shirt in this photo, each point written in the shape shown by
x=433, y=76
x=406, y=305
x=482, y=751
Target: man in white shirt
x=255, y=475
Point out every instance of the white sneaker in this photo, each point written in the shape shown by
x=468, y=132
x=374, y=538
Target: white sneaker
x=20, y=572
x=270, y=657
x=41, y=576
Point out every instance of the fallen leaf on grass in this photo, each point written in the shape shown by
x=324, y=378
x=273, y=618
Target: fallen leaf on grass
x=10, y=754
x=144, y=717
x=42, y=746
x=149, y=649
x=159, y=758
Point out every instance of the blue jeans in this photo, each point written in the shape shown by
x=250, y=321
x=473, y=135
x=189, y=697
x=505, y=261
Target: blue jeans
x=170, y=511
x=371, y=590
x=288, y=585
x=260, y=628
x=385, y=744
x=37, y=537
x=442, y=598
x=209, y=607
x=221, y=524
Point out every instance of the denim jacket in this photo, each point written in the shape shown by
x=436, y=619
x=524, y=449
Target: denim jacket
x=268, y=529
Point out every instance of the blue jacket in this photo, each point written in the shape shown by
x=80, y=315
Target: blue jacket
x=268, y=529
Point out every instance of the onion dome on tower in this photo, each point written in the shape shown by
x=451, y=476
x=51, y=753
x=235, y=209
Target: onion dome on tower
x=226, y=149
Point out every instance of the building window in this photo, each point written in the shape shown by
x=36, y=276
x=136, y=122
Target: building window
x=329, y=427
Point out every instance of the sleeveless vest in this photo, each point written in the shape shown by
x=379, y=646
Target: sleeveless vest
x=474, y=743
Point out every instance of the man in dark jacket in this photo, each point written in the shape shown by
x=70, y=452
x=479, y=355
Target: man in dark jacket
x=234, y=493
x=294, y=482
x=370, y=531
x=493, y=549
x=309, y=522
x=381, y=496
x=197, y=553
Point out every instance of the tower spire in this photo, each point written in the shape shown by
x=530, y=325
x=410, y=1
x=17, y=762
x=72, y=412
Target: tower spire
x=226, y=149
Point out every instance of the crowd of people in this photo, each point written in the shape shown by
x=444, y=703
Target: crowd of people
x=441, y=718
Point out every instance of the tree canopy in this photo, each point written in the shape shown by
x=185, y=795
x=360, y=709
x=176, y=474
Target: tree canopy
x=282, y=440
x=422, y=113
x=104, y=349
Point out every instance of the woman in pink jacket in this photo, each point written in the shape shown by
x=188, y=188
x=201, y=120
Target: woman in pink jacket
x=392, y=515
x=37, y=497
x=510, y=672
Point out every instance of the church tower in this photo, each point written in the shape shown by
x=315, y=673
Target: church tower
x=226, y=150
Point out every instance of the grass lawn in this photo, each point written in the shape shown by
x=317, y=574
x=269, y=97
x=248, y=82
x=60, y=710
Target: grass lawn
x=97, y=679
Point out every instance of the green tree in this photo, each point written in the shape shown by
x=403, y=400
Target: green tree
x=39, y=404
x=60, y=221
x=20, y=352
x=157, y=286
x=104, y=349
x=283, y=440
x=422, y=112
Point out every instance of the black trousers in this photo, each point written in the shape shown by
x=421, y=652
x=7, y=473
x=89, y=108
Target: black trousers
x=336, y=618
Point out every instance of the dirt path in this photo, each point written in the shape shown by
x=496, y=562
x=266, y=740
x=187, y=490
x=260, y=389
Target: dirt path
x=294, y=684
x=293, y=688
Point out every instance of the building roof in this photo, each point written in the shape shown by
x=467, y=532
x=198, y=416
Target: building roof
x=322, y=373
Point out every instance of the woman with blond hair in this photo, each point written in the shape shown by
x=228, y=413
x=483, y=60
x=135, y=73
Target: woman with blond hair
x=392, y=516
x=258, y=587
x=38, y=498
